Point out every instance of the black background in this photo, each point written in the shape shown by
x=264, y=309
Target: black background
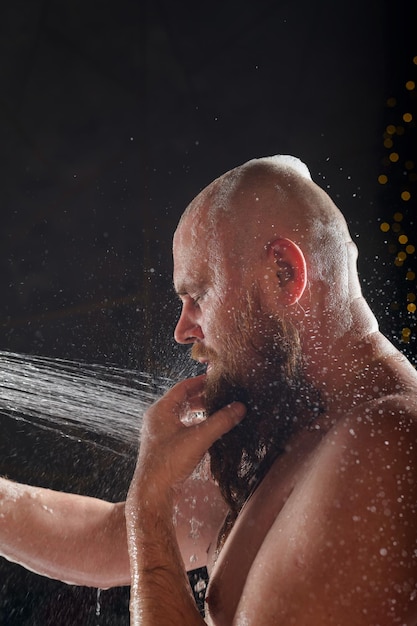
x=113, y=115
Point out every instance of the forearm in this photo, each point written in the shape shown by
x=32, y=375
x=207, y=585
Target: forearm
x=169, y=452
x=76, y=539
x=160, y=590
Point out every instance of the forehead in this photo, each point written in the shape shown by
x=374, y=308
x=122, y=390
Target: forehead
x=199, y=251
x=222, y=234
x=192, y=260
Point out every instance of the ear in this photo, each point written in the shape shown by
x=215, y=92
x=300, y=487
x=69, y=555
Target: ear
x=290, y=269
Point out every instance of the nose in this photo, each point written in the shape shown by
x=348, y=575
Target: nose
x=187, y=329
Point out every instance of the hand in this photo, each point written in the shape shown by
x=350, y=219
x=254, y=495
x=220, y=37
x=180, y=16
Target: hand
x=169, y=448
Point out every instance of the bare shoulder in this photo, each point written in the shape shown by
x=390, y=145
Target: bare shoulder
x=390, y=420
x=376, y=442
x=343, y=549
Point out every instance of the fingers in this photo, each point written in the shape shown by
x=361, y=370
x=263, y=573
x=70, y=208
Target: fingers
x=171, y=447
x=220, y=422
x=194, y=399
x=192, y=441
x=189, y=395
x=184, y=406
x=191, y=391
x=183, y=398
x=187, y=392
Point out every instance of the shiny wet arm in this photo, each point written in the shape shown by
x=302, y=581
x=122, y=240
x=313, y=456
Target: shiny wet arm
x=169, y=452
x=77, y=539
x=160, y=590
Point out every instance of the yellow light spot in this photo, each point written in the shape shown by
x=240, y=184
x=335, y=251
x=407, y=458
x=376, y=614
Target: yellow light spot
x=384, y=227
x=388, y=143
x=406, y=195
x=398, y=263
x=403, y=239
x=411, y=297
x=393, y=157
x=398, y=216
x=409, y=165
x=411, y=308
x=382, y=179
x=391, y=102
x=401, y=256
x=391, y=129
x=410, y=249
x=410, y=85
x=410, y=275
x=407, y=117
x=396, y=228
x=406, y=332
x=415, y=60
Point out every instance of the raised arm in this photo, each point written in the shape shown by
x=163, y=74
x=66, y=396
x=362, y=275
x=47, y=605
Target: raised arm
x=76, y=539
x=82, y=540
x=168, y=453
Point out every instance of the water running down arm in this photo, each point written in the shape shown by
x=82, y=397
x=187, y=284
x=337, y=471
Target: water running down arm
x=82, y=540
x=77, y=539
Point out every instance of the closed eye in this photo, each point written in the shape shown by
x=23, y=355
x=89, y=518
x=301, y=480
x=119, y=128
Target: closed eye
x=198, y=298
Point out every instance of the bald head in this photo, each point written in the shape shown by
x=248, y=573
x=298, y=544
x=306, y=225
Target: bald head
x=269, y=198
x=226, y=194
x=247, y=208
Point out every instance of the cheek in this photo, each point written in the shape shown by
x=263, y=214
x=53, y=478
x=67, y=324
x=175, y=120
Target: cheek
x=220, y=322
x=211, y=327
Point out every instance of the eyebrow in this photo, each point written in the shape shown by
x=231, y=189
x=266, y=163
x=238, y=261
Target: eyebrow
x=184, y=289
x=181, y=290
x=180, y=293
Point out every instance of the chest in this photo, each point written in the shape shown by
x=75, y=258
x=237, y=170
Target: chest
x=229, y=571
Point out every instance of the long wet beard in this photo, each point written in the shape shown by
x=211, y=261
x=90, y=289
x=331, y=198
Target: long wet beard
x=261, y=365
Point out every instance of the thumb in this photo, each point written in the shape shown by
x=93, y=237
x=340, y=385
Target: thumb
x=223, y=420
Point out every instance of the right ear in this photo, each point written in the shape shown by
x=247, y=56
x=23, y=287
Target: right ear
x=289, y=271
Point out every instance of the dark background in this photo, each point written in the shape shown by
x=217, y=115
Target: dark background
x=113, y=115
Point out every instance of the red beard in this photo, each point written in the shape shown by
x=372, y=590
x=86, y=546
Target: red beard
x=260, y=364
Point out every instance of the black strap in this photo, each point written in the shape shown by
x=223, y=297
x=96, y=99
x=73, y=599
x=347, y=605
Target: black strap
x=199, y=580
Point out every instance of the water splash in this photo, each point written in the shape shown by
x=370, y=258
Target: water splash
x=80, y=400
x=98, y=603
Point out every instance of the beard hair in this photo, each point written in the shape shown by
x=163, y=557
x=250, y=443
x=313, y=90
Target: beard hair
x=261, y=366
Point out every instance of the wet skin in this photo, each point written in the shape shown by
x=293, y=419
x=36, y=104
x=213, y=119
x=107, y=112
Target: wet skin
x=329, y=536
x=331, y=523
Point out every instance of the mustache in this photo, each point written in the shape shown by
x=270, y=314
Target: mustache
x=198, y=351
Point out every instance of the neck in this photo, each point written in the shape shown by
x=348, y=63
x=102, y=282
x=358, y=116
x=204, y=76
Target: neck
x=332, y=361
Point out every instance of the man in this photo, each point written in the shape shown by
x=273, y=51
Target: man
x=310, y=431
x=320, y=475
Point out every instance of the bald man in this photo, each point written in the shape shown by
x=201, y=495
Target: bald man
x=289, y=468
x=310, y=421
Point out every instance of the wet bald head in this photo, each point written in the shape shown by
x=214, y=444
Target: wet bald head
x=269, y=198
